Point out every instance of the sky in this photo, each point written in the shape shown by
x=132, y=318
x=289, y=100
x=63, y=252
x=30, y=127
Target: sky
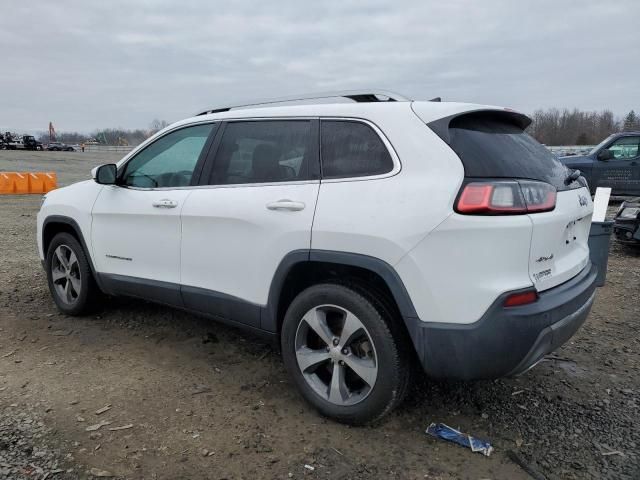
x=87, y=65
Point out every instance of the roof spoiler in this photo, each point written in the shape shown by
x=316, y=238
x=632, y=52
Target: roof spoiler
x=441, y=126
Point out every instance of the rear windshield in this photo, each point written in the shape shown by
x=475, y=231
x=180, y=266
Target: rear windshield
x=494, y=147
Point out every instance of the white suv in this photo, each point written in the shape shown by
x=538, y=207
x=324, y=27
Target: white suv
x=367, y=236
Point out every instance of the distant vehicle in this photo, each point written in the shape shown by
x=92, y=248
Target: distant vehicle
x=60, y=147
x=614, y=163
x=14, y=142
x=626, y=225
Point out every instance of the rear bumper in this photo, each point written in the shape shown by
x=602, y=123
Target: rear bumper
x=505, y=341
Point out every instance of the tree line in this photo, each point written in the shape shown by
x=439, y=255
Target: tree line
x=576, y=127
x=108, y=136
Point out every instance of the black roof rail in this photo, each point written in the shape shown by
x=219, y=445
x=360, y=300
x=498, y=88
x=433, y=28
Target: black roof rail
x=355, y=95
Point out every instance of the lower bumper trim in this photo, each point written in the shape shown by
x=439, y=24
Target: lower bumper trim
x=505, y=341
x=553, y=337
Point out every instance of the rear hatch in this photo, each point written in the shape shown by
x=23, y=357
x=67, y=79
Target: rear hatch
x=493, y=145
x=559, y=243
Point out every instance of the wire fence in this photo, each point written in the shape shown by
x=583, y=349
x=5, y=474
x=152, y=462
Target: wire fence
x=562, y=151
x=108, y=148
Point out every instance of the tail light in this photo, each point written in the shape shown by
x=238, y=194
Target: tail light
x=506, y=197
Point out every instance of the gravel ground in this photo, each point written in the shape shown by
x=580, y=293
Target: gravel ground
x=200, y=400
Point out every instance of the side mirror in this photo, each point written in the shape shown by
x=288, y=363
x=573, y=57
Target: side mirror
x=105, y=174
x=605, y=155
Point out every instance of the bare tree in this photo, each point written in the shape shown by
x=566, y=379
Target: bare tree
x=157, y=125
x=572, y=127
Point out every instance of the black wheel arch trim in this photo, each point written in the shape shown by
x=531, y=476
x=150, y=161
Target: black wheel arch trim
x=269, y=313
x=78, y=232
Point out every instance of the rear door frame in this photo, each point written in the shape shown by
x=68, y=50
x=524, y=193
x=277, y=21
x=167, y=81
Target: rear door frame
x=221, y=305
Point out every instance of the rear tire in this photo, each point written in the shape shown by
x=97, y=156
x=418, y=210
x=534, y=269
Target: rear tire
x=69, y=276
x=340, y=348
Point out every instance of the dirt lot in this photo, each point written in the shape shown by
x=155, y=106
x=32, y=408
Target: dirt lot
x=200, y=400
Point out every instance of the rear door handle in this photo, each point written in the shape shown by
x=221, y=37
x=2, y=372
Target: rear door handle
x=165, y=203
x=286, y=205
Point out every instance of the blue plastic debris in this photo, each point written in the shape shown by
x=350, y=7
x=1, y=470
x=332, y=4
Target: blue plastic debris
x=440, y=430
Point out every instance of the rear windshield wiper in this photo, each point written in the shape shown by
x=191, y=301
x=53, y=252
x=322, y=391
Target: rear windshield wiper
x=572, y=177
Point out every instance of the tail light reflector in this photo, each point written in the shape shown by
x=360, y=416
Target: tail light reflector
x=521, y=298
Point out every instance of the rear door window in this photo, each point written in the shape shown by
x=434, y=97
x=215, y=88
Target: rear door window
x=265, y=151
x=352, y=149
x=492, y=147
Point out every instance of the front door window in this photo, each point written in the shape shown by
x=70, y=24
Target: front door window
x=625, y=148
x=169, y=161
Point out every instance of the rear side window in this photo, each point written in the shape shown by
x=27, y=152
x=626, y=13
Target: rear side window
x=263, y=152
x=352, y=149
x=492, y=147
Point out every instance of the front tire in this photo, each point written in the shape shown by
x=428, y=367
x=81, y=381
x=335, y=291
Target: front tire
x=69, y=276
x=339, y=346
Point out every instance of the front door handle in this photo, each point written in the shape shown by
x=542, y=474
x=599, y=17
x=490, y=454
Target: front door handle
x=286, y=205
x=165, y=203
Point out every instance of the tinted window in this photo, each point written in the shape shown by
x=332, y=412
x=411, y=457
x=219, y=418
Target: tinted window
x=169, y=161
x=625, y=148
x=264, y=151
x=493, y=147
x=352, y=149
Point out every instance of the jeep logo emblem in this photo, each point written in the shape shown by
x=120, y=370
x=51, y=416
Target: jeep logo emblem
x=583, y=200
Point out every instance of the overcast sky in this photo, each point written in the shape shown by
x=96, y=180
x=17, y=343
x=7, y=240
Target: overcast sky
x=85, y=65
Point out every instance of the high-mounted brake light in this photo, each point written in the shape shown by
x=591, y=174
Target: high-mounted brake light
x=506, y=197
x=521, y=298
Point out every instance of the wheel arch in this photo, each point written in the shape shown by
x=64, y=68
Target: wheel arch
x=55, y=224
x=302, y=268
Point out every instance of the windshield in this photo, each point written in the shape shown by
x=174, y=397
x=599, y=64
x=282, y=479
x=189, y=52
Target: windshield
x=600, y=145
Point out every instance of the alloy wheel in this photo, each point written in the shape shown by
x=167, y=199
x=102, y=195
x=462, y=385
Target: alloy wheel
x=336, y=355
x=65, y=273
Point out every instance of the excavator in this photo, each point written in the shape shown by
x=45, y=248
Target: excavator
x=52, y=133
